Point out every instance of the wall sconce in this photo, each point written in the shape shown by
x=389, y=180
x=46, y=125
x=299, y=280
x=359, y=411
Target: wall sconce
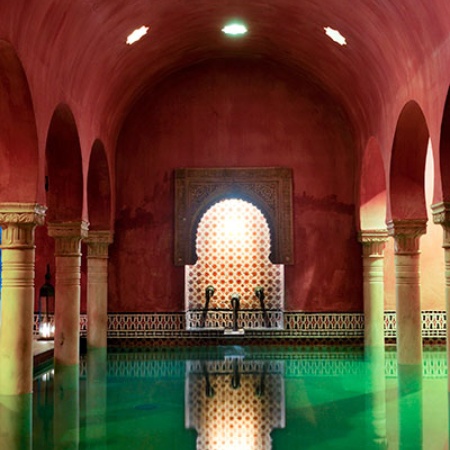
x=46, y=307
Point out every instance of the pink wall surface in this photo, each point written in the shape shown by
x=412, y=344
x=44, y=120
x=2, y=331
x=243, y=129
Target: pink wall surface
x=235, y=113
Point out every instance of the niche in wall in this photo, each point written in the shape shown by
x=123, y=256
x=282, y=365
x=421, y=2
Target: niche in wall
x=269, y=189
x=232, y=227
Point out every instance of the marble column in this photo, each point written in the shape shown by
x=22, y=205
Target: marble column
x=18, y=221
x=441, y=215
x=373, y=243
x=406, y=235
x=97, y=287
x=67, y=237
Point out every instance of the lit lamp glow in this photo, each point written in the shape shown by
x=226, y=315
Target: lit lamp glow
x=234, y=29
x=46, y=306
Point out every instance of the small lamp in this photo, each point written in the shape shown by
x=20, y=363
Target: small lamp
x=46, y=306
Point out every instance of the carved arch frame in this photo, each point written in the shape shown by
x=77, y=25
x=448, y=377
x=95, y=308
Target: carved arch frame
x=269, y=189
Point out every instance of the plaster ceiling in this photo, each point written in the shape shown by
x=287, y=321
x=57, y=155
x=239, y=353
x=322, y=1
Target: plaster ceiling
x=79, y=46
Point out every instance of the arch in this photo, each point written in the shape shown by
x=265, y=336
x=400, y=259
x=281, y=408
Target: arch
x=372, y=213
x=19, y=155
x=407, y=170
x=444, y=150
x=64, y=181
x=233, y=245
x=269, y=189
x=99, y=189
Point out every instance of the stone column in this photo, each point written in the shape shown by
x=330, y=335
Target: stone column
x=97, y=287
x=18, y=221
x=441, y=215
x=407, y=234
x=67, y=237
x=373, y=243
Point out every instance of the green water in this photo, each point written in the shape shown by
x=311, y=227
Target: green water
x=242, y=399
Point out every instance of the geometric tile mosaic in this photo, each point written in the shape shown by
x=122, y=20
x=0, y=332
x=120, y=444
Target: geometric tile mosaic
x=233, y=249
x=295, y=325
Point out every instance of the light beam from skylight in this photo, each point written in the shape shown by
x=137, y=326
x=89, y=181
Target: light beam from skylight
x=137, y=34
x=335, y=35
x=234, y=29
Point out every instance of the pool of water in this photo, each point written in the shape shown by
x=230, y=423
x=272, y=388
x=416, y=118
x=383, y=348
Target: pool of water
x=242, y=398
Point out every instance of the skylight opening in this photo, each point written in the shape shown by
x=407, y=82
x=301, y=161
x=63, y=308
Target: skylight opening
x=234, y=29
x=137, y=34
x=335, y=35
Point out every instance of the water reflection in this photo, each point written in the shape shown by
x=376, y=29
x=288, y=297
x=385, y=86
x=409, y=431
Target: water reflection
x=66, y=397
x=234, y=398
x=15, y=422
x=410, y=406
x=376, y=399
x=234, y=403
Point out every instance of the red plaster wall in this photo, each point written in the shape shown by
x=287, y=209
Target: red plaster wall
x=235, y=114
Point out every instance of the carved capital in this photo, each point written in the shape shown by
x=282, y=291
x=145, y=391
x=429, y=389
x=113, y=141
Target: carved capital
x=22, y=213
x=373, y=242
x=18, y=221
x=407, y=234
x=68, y=237
x=98, y=242
x=441, y=215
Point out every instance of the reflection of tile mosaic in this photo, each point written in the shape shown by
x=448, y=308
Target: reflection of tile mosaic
x=311, y=362
x=233, y=248
x=232, y=405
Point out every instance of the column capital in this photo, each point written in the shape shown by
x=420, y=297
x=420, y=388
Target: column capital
x=406, y=233
x=68, y=237
x=97, y=243
x=373, y=242
x=18, y=221
x=22, y=213
x=441, y=215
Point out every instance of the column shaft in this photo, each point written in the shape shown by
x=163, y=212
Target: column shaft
x=409, y=315
x=16, y=332
x=67, y=289
x=447, y=293
x=97, y=289
x=373, y=286
x=441, y=215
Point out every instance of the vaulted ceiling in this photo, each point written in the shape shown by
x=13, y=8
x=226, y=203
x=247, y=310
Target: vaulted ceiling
x=77, y=49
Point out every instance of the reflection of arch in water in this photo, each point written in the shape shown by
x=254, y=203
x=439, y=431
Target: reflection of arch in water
x=233, y=248
x=234, y=403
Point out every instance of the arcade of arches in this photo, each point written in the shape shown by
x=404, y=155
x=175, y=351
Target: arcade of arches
x=92, y=131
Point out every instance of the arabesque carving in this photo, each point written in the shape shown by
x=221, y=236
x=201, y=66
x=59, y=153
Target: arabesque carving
x=98, y=242
x=407, y=233
x=269, y=189
x=68, y=237
x=18, y=221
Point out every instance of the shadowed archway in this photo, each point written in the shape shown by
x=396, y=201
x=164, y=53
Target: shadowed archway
x=64, y=168
x=99, y=189
x=372, y=213
x=407, y=171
